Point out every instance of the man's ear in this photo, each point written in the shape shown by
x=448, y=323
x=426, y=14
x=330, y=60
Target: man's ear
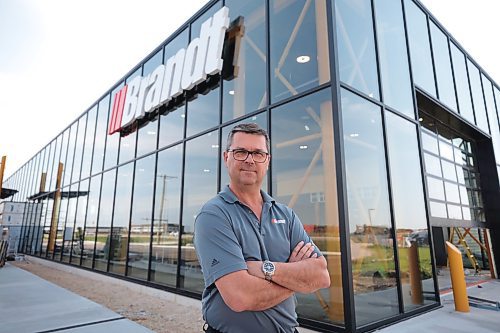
x=225, y=155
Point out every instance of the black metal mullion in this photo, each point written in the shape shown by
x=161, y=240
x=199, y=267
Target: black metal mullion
x=345, y=249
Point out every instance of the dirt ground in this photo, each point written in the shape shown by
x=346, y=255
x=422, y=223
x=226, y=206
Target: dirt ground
x=154, y=313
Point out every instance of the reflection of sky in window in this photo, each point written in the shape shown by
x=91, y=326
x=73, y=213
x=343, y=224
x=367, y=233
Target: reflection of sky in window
x=365, y=162
x=200, y=176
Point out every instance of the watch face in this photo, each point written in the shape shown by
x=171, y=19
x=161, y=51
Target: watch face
x=268, y=267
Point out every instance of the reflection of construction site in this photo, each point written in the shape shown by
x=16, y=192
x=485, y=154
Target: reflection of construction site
x=474, y=244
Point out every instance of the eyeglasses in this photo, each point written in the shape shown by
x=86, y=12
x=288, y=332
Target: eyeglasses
x=242, y=155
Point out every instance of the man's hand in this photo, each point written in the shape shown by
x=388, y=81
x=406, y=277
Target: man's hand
x=302, y=251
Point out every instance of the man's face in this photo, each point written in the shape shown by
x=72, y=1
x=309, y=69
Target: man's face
x=248, y=172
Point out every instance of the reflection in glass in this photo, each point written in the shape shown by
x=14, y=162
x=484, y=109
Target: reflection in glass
x=90, y=230
x=69, y=226
x=100, y=135
x=89, y=142
x=442, y=63
x=492, y=116
x=372, y=251
x=78, y=241
x=146, y=138
x=142, y=213
x=394, y=67
x=128, y=140
x=304, y=168
x=172, y=121
x=247, y=91
x=103, y=236
x=112, y=141
x=77, y=163
x=203, y=112
x=299, y=47
x=412, y=235
x=357, y=59
x=68, y=167
x=477, y=97
x=462, y=82
x=200, y=185
x=118, y=242
x=420, y=48
x=167, y=214
x=449, y=170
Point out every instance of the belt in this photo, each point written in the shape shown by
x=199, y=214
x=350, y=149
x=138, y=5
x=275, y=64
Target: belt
x=209, y=329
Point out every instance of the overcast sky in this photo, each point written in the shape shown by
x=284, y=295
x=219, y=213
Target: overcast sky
x=57, y=57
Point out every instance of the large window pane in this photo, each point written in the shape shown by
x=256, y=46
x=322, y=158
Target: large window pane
x=247, y=91
x=462, y=82
x=442, y=63
x=203, y=112
x=142, y=213
x=69, y=226
x=89, y=142
x=77, y=163
x=77, y=249
x=121, y=220
x=200, y=185
x=420, y=48
x=103, y=232
x=167, y=216
x=412, y=232
x=90, y=231
x=492, y=115
x=372, y=251
x=146, y=138
x=357, y=58
x=477, y=96
x=172, y=121
x=394, y=69
x=68, y=167
x=305, y=179
x=299, y=47
x=112, y=141
x=101, y=134
x=128, y=140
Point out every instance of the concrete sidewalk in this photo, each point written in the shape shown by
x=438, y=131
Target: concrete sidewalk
x=30, y=304
x=446, y=319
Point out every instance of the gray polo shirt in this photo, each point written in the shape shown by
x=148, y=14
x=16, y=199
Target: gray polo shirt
x=227, y=234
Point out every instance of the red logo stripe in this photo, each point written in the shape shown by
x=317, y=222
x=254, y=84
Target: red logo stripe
x=117, y=111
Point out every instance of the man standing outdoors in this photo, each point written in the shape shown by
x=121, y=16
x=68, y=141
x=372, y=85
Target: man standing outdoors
x=254, y=251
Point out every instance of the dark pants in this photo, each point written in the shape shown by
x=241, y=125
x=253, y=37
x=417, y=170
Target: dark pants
x=208, y=329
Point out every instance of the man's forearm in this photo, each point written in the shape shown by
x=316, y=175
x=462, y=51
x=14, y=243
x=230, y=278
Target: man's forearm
x=244, y=292
x=305, y=276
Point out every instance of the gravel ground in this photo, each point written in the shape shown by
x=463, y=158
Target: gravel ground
x=155, y=313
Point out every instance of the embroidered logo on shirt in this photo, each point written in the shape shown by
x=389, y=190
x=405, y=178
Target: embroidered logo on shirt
x=277, y=221
x=215, y=262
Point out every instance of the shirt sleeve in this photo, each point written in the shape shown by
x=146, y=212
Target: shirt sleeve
x=217, y=247
x=298, y=233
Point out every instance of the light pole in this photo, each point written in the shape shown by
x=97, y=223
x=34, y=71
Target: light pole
x=162, y=202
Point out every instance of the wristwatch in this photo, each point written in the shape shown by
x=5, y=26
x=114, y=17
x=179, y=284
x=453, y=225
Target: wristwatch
x=268, y=268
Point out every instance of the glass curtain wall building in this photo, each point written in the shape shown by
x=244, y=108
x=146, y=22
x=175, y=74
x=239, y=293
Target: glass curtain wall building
x=385, y=139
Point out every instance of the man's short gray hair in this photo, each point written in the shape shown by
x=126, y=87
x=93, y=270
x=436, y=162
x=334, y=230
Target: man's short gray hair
x=249, y=128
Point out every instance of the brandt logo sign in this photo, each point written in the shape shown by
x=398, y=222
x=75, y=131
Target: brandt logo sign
x=182, y=72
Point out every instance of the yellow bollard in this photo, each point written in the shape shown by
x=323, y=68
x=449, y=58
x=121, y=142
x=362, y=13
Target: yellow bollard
x=457, y=278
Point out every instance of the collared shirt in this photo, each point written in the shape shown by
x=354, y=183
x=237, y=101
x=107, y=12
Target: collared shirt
x=227, y=234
